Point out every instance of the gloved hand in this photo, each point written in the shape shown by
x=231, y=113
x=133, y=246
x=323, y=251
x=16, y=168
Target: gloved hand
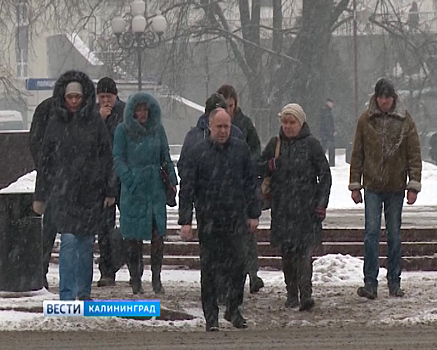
x=272, y=164
x=321, y=213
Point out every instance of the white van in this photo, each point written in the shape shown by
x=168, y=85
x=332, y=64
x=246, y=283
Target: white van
x=11, y=120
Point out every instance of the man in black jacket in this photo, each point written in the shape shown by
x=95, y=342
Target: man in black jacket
x=111, y=110
x=36, y=135
x=327, y=131
x=221, y=179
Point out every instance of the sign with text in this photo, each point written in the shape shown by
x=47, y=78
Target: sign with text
x=99, y=308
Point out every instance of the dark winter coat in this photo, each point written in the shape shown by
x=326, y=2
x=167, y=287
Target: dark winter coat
x=111, y=122
x=386, y=150
x=249, y=134
x=197, y=134
x=38, y=128
x=139, y=152
x=75, y=170
x=115, y=118
x=327, y=126
x=220, y=178
x=300, y=183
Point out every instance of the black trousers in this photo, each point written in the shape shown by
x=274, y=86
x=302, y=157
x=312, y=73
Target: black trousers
x=107, y=265
x=297, y=266
x=221, y=252
x=250, y=246
x=48, y=236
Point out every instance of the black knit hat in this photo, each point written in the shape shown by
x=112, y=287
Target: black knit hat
x=214, y=101
x=385, y=87
x=106, y=85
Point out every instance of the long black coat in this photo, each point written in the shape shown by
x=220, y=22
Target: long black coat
x=38, y=127
x=300, y=183
x=75, y=171
x=222, y=181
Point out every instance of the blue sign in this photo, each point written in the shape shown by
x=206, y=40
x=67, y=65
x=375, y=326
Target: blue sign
x=40, y=84
x=120, y=308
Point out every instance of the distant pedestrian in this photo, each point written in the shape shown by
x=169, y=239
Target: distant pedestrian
x=300, y=187
x=413, y=17
x=140, y=150
x=386, y=151
x=327, y=131
x=221, y=180
x=75, y=177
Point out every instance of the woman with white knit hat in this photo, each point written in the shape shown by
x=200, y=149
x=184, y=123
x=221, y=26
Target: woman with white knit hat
x=300, y=187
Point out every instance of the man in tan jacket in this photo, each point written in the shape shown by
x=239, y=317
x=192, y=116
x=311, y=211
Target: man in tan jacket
x=386, y=151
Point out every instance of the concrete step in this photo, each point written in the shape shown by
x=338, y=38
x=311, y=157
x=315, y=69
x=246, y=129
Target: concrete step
x=416, y=263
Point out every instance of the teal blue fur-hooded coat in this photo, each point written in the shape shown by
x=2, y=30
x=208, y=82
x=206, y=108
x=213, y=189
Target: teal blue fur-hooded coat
x=139, y=150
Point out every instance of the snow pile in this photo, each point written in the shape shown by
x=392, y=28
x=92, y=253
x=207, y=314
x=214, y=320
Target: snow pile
x=25, y=184
x=338, y=268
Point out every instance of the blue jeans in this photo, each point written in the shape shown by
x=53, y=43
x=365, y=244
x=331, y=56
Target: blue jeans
x=75, y=266
x=393, y=202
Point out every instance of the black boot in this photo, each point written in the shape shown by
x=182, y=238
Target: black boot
x=306, y=304
x=156, y=256
x=235, y=317
x=369, y=291
x=256, y=283
x=292, y=300
x=135, y=264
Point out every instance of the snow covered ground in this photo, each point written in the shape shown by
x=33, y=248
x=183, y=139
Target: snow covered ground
x=335, y=280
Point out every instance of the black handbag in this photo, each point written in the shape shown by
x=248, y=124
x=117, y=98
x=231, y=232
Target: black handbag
x=170, y=191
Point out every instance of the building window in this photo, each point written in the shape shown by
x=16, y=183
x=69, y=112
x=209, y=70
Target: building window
x=22, y=39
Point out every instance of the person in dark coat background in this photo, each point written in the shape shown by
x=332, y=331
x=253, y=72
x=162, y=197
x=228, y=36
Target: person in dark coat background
x=221, y=180
x=250, y=135
x=75, y=176
x=140, y=149
x=201, y=131
x=300, y=185
x=110, y=109
x=36, y=135
x=327, y=130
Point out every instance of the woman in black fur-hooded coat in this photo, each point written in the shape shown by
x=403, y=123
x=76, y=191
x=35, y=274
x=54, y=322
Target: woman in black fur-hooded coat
x=76, y=176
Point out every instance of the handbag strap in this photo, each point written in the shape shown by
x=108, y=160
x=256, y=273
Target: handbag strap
x=278, y=147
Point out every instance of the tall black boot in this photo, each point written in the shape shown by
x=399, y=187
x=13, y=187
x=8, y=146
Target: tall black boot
x=156, y=256
x=134, y=264
x=290, y=275
x=305, y=275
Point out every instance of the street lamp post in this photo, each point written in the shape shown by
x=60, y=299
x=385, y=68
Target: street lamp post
x=139, y=36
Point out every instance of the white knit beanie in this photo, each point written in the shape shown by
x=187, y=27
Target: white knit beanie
x=74, y=88
x=295, y=110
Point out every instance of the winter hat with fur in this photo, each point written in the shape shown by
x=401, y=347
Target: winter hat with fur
x=295, y=110
x=74, y=87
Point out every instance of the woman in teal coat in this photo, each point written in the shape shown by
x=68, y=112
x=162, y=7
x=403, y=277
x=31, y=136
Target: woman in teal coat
x=140, y=148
